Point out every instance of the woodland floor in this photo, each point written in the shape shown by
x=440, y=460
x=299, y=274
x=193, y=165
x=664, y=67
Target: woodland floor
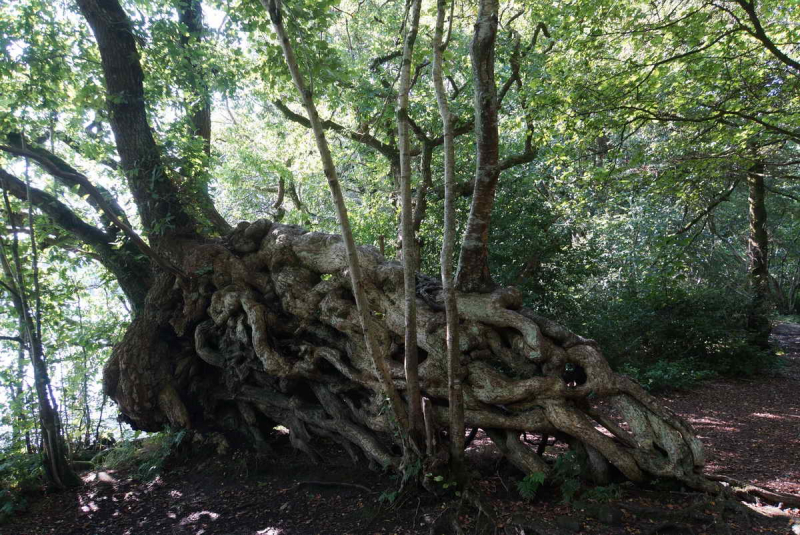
x=751, y=430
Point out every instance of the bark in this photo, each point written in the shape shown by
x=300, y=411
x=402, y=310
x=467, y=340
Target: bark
x=270, y=323
x=758, y=256
x=455, y=395
x=473, y=264
x=407, y=230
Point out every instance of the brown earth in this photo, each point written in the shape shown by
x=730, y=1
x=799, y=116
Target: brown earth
x=751, y=430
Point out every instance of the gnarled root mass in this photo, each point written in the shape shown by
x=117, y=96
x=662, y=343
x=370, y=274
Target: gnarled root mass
x=266, y=331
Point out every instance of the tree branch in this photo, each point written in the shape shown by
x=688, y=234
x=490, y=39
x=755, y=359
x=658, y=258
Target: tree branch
x=528, y=156
x=17, y=339
x=782, y=193
x=65, y=173
x=127, y=266
x=708, y=209
x=61, y=214
x=361, y=137
x=102, y=203
x=380, y=60
x=759, y=33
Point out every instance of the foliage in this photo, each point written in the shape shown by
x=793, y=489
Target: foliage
x=665, y=375
x=529, y=485
x=145, y=457
x=642, y=115
x=20, y=473
x=603, y=494
x=567, y=472
x=389, y=496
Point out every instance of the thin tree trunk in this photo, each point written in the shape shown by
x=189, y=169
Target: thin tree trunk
x=473, y=264
x=454, y=373
x=407, y=226
x=16, y=393
x=190, y=13
x=421, y=201
x=87, y=411
x=376, y=353
x=56, y=465
x=100, y=420
x=758, y=255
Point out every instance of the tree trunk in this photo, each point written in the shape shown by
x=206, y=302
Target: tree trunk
x=758, y=256
x=374, y=350
x=190, y=13
x=473, y=264
x=455, y=395
x=55, y=462
x=408, y=235
x=155, y=195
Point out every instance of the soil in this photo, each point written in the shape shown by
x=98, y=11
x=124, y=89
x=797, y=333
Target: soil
x=751, y=429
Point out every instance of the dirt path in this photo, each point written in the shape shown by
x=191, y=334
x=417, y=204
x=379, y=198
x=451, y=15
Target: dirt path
x=751, y=430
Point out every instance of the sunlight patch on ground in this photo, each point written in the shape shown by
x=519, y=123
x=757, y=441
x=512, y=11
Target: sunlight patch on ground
x=90, y=507
x=713, y=422
x=201, y=515
x=87, y=505
x=269, y=531
x=768, y=416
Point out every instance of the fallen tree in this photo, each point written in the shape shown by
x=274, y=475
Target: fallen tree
x=261, y=326
x=264, y=330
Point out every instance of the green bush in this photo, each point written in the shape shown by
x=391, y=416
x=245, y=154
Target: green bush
x=19, y=473
x=666, y=375
x=672, y=336
x=567, y=472
x=146, y=457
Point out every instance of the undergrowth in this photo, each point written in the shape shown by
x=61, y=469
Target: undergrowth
x=569, y=475
x=145, y=457
x=20, y=473
x=673, y=338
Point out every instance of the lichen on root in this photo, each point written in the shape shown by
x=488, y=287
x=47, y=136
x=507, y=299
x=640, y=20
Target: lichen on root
x=266, y=331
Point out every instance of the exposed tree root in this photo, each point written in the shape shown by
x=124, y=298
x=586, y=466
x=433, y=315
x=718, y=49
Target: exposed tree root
x=266, y=331
x=749, y=493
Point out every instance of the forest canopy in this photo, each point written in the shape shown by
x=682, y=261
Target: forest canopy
x=373, y=222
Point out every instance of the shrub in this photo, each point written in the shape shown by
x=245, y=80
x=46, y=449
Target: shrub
x=146, y=457
x=666, y=375
x=672, y=337
x=19, y=473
